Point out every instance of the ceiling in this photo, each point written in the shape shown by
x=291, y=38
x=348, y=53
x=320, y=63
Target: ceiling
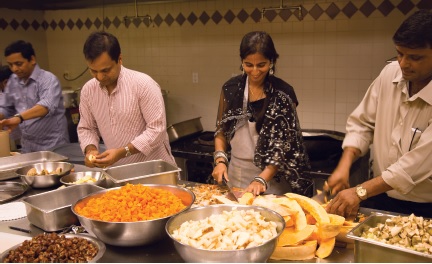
x=68, y=4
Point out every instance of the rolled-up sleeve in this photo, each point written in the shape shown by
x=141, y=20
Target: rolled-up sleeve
x=50, y=92
x=412, y=168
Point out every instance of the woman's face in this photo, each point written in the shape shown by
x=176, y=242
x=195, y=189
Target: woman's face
x=256, y=66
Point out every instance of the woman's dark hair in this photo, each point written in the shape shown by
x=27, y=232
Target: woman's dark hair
x=416, y=31
x=20, y=46
x=258, y=42
x=5, y=72
x=100, y=42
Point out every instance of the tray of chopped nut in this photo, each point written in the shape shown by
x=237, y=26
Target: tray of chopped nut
x=392, y=238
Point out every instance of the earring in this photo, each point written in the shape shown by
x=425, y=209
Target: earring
x=242, y=69
x=271, y=72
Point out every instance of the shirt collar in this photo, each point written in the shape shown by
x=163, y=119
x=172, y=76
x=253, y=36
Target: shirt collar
x=425, y=94
x=33, y=76
x=36, y=72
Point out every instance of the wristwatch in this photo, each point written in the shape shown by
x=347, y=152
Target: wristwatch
x=128, y=153
x=20, y=117
x=361, y=192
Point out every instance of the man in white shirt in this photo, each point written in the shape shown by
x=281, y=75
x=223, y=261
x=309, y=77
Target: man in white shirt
x=396, y=116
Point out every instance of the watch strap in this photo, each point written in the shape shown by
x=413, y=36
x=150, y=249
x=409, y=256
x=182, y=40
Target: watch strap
x=128, y=153
x=20, y=117
x=360, y=189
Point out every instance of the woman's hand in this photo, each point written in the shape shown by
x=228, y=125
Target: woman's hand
x=219, y=171
x=256, y=188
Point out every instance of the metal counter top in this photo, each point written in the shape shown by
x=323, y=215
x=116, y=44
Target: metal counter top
x=162, y=251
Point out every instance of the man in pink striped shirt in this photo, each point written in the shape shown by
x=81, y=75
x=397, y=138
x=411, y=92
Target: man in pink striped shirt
x=123, y=107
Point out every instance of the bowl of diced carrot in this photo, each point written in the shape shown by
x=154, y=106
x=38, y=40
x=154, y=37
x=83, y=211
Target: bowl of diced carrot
x=133, y=214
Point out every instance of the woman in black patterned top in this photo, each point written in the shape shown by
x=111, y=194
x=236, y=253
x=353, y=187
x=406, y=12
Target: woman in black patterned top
x=257, y=121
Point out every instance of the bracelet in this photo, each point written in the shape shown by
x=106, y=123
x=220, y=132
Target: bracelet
x=219, y=154
x=222, y=161
x=261, y=180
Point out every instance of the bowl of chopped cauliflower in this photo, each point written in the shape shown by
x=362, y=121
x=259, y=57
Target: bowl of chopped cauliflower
x=84, y=177
x=225, y=233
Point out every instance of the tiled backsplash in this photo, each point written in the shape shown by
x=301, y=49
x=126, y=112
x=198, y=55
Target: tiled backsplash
x=330, y=52
x=316, y=11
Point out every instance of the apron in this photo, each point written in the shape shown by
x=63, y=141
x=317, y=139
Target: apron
x=241, y=169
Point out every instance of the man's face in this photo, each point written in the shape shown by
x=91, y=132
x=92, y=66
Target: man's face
x=105, y=70
x=416, y=64
x=19, y=65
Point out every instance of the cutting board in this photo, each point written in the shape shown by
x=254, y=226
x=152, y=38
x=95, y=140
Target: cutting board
x=10, y=240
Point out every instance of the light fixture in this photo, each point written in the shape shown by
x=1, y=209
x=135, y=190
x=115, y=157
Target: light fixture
x=282, y=7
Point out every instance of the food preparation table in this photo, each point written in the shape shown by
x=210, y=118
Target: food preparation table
x=162, y=251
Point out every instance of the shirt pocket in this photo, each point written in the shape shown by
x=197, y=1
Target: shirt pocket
x=415, y=137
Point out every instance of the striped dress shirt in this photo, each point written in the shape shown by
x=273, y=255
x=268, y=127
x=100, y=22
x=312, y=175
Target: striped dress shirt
x=42, y=88
x=133, y=113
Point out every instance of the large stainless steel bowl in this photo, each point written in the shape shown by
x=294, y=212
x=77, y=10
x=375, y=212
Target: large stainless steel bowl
x=254, y=254
x=132, y=233
x=100, y=246
x=45, y=181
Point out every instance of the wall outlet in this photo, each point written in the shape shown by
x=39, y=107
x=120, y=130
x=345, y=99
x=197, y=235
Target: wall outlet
x=194, y=77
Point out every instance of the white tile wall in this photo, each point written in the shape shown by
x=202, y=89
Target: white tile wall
x=329, y=62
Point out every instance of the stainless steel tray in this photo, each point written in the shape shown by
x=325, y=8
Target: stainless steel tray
x=8, y=165
x=368, y=250
x=11, y=190
x=153, y=171
x=51, y=211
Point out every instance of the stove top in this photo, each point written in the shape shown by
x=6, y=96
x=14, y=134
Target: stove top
x=195, y=145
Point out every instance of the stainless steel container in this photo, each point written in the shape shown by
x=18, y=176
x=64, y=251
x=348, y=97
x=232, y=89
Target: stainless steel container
x=8, y=165
x=154, y=172
x=45, y=181
x=368, y=250
x=51, y=211
x=185, y=128
x=138, y=233
x=192, y=254
x=84, y=177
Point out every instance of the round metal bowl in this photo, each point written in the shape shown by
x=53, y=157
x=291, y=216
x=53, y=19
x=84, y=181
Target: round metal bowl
x=44, y=181
x=132, y=233
x=99, y=244
x=254, y=254
x=83, y=177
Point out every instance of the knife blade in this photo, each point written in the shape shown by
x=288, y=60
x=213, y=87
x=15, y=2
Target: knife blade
x=230, y=194
x=327, y=192
x=323, y=196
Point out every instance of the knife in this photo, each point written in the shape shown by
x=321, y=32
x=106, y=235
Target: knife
x=324, y=196
x=230, y=194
